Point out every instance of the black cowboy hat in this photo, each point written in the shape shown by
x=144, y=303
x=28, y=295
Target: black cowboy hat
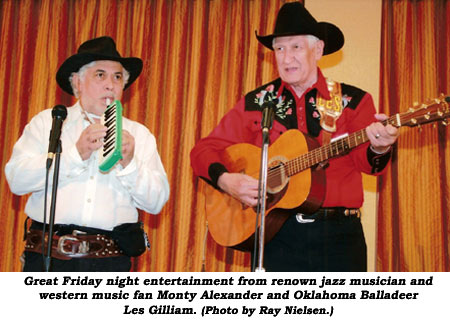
x=294, y=19
x=102, y=48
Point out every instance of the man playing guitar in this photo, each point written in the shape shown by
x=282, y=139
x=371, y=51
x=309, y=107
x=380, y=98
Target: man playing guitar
x=330, y=238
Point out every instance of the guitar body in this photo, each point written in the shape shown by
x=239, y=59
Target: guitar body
x=296, y=186
x=232, y=224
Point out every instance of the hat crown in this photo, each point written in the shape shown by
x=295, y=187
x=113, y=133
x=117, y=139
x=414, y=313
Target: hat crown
x=293, y=17
x=102, y=48
x=103, y=45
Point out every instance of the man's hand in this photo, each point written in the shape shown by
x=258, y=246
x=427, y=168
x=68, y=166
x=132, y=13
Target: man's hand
x=90, y=140
x=381, y=137
x=127, y=148
x=240, y=186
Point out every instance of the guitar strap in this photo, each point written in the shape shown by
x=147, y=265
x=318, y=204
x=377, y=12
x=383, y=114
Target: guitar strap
x=330, y=110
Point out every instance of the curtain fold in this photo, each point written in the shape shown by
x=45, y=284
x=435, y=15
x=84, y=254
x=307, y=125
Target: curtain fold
x=413, y=217
x=199, y=58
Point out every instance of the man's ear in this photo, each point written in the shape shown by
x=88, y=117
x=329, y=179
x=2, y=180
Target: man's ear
x=319, y=45
x=76, y=82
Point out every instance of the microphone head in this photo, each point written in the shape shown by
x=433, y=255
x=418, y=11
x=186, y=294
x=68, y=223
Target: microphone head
x=59, y=111
x=270, y=105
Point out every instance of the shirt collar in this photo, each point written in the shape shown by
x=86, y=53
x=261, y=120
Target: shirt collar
x=74, y=113
x=320, y=85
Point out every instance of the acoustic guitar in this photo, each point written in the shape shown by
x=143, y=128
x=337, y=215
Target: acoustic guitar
x=292, y=180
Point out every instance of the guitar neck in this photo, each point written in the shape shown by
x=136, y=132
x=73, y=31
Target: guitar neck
x=318, y=155
x=437, y=109
x=339, y=147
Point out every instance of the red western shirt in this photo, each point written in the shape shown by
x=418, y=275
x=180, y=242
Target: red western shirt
x=242, y=124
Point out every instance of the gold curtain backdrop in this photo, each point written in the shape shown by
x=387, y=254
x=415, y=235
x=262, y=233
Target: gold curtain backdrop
x=413, y=217
x=199, y=58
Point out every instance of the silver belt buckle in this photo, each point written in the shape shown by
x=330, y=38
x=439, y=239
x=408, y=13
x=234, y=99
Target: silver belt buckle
x=300, y=218
x=83, y=249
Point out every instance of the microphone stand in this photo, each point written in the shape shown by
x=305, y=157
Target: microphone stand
x=262, y=191
x=268, y=115
x=47, y=259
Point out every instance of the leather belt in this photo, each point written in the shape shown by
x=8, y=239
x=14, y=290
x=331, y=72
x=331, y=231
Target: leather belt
x=75, y=245
x=328, y=214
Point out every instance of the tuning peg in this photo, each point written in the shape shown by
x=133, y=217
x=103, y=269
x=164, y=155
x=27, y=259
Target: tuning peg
x=416, y=104
x=411, y=110
x=444, y=122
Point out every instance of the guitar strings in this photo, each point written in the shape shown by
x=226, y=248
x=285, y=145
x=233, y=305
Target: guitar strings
x=317, y=155
x=323, y=153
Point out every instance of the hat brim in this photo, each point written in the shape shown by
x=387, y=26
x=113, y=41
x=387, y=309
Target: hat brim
x=75, y=62
x=331, y=35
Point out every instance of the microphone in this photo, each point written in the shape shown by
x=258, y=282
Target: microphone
x=268, y=114
x=59, y=114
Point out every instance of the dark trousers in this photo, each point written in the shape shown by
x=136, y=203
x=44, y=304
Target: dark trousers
x=332, y=245
x=34, y=262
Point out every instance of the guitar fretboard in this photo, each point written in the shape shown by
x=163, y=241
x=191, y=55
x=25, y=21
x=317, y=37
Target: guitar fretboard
x=345, y=144
x=318, y=155
x=437, y=109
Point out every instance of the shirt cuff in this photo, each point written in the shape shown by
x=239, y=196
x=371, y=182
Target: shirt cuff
x=378, y=161
x=131, y=167
x=215, y=170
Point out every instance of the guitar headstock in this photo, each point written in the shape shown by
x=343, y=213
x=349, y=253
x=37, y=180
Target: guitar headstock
x=435, y=110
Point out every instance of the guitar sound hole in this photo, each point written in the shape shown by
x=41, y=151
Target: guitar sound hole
x=277, y=181
x=273, y=198
x=276, y=175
